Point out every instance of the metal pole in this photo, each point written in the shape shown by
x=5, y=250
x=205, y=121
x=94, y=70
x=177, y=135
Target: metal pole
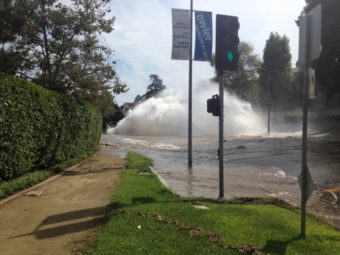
x=221, y=139
x=190, y=92
x=268, y=101
x=304, y=153
x=304, y=137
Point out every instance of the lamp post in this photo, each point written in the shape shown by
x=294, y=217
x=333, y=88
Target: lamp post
x=190, y=92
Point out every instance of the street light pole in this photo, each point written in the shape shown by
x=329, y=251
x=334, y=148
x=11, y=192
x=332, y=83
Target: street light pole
x=190, y=92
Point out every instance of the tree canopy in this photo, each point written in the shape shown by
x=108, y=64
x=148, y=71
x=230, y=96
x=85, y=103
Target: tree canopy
x=156, y=86
x=11, y=23
x=244, y=81
x=56, y=45
x=277, y=71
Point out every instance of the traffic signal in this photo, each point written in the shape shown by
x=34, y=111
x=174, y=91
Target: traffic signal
x=213, y=105
x=226, y=57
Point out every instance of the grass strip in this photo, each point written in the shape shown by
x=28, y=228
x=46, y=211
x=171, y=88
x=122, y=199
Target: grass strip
x=148, y=219
x=7, y=188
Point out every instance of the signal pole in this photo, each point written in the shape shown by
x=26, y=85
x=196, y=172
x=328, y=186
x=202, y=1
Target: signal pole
x=226, y=59
x=221, y=139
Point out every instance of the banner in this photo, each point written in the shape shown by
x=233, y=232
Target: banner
x=180, y=34
x=203, y=45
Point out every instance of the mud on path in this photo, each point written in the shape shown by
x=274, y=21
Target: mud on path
x=54, y=217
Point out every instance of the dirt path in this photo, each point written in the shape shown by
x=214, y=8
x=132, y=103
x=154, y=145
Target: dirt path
x=60, y=213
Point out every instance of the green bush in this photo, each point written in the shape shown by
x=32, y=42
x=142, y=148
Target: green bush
x=40, y=128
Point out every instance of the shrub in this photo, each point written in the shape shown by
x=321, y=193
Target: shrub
x=40, y=128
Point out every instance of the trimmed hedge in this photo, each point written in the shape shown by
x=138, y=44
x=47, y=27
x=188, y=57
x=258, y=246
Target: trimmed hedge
x=40, y=128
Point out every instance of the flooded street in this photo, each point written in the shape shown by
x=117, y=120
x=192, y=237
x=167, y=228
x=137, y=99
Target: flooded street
x=254, y=166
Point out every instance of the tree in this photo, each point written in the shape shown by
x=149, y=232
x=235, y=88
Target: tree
x=155, y=87
x=60, y=49
x=244, y=81
x=93, y=77
x=277, y=71
x=11, y=23
x=152, y=90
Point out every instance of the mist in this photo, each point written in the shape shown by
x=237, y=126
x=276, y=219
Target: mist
x=167, y=115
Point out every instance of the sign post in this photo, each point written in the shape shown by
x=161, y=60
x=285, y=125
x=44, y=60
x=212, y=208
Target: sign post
x=309, y=49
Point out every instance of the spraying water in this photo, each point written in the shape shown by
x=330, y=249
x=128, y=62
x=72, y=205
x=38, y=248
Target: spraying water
x=167, y=115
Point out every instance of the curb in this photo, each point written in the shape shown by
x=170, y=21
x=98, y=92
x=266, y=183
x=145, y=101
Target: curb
x=160, y=178
x=52, y=178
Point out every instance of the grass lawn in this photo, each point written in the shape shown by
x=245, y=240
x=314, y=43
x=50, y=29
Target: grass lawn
x=148, y=219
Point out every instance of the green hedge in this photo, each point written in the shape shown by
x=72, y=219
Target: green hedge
x=40, y=128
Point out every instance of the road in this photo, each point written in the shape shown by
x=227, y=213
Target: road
x=254, y=166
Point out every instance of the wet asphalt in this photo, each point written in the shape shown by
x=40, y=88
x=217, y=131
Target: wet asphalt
x=253, y=166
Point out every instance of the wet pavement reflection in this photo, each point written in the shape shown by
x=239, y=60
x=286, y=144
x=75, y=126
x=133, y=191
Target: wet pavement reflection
x=254, y=166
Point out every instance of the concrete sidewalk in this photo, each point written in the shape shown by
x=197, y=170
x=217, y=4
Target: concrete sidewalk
x=54, y=217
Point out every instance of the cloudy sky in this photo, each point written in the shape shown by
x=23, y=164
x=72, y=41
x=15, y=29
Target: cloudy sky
x=142, y=38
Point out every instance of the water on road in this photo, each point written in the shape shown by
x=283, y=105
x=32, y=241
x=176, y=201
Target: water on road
x=254, y=166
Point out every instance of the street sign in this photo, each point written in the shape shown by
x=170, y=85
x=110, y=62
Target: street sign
x=315, y=32
x=310, y=36
x=303, y=29
x=309, y=185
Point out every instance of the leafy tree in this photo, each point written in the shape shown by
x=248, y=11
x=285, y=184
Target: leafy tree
x=60, y=50
x=244, y=81
x=155, y=87
x=138, y=99
x=276, y=69
x=152, y=90
x=93, y=77
x=11, y=23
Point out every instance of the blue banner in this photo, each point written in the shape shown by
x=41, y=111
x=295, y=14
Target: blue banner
x=203, y=45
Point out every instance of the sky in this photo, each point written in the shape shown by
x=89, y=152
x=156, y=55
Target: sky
x=142, y=37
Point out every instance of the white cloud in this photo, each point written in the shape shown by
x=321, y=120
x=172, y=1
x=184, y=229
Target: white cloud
x=143, y=35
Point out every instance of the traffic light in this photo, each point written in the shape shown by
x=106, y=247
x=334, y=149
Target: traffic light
x=213, y=105
x=227, y=41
